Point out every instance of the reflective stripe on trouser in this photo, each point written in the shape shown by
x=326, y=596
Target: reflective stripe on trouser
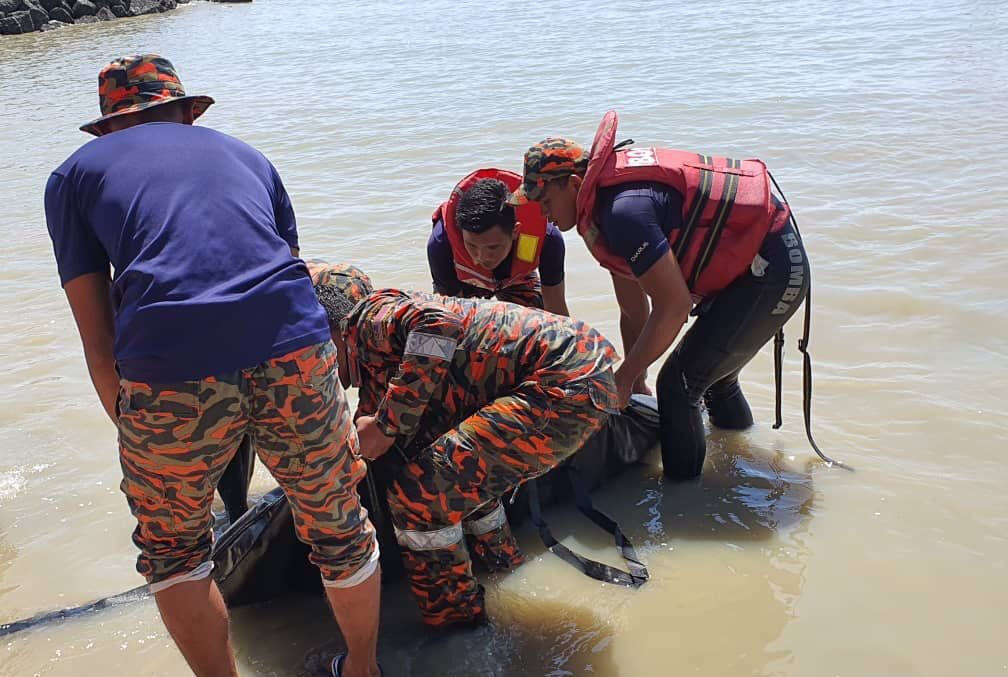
x=512, y=439
x=490, y=539
x=176, y=440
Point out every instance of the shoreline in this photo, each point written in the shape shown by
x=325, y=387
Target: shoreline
x=28, y=16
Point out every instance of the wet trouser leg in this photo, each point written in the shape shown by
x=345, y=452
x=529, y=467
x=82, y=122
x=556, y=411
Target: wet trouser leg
x=175, y=441
x=490, y=539
x=739, y=321
x=727, y=407
x=512, y=439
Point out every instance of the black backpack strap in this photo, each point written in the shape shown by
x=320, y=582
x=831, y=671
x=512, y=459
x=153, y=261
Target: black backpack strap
x=803, y=344
x=807, y=376
x=638, y=573
x=778, y=366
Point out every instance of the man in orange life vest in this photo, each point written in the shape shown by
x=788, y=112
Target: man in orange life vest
x=679, y=232
x=483, y=247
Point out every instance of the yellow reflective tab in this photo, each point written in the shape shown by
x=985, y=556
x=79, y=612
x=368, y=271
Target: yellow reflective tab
x=527, y=247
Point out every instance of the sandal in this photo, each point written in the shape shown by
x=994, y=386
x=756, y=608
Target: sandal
x=337, y=666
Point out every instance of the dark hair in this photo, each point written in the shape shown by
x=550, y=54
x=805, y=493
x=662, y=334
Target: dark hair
x=334, y=302
x=484, y=206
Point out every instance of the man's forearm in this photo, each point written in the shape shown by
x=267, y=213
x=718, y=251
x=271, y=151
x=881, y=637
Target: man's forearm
x=105, y=380
x=430, y=334
x=651, y=341
x=555, y=299
x=630, y=330
x=88, y=296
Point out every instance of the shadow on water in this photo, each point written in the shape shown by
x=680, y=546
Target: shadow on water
x=296, y=637
x=745, y=493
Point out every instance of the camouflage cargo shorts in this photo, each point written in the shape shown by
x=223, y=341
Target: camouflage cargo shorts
x=175, y=440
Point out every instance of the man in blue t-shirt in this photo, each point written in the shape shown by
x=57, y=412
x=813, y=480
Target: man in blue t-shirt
x=207, y=331
x=478, y=249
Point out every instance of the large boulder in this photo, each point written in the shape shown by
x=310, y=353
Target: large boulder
x=138, y=7
x=105, y=14
x=38, y=15
x=50, y=5
x=61, y=14
x=9, y=26
x=119, y=10
x=17, y=22
x=82, y=8
x=8, y=7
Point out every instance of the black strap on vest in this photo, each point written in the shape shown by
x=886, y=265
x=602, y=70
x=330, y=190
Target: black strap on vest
x=637, y=574
x=682, y=241
x=729, y=192
x=803, y=344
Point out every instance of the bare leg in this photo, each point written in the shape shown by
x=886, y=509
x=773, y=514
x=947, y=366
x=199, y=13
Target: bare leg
x=197, y=620
x=356, y=610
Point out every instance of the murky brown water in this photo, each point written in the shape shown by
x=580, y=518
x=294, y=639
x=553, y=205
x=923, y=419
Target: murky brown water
x=884, y=123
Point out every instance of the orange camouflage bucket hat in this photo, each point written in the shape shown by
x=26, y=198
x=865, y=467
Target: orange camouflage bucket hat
x=552, y=158
x=339, y=287
x=134, y=83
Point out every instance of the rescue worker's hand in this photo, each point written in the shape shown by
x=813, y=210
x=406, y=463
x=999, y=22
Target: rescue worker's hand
x=640, y=387
x=373, y=442
x=624, y=387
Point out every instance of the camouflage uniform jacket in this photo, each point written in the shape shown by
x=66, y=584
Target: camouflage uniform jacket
x=420, y=357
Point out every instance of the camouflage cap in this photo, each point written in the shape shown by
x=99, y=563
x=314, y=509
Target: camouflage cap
x=552, y=158
x=339, y=287
x=134, y=83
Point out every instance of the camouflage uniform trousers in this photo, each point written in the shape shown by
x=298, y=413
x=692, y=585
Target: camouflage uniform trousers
x=462, y=474
x=175, y=440
x=526, y=291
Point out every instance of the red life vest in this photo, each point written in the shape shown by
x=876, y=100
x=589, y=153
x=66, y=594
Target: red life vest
x=727, y=207
x=530, y=225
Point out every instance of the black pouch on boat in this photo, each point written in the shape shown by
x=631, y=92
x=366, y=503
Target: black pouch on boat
x=626, y=438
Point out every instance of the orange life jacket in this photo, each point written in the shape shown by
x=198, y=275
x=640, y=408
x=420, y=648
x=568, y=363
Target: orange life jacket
x=727, y=207
x=529, y=223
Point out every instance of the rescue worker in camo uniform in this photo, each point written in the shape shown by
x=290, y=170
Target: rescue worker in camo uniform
x=480, y=396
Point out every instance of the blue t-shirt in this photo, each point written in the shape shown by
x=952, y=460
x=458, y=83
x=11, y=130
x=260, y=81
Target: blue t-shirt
x=197, y=228
x=635, y=220
x=442, y=261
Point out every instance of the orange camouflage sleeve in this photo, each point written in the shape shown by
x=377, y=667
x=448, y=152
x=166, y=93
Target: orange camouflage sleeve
x=428, y=335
